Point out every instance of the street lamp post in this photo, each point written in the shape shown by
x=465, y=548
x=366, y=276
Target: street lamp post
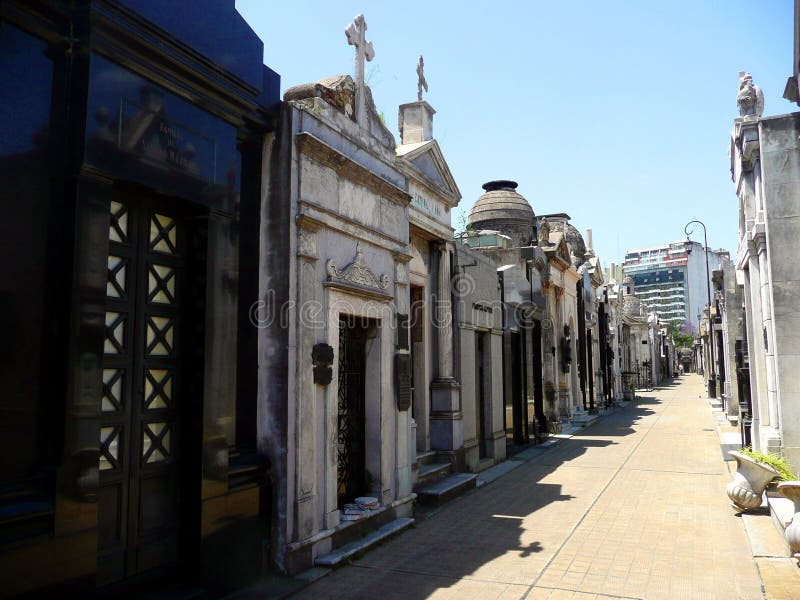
x=712, y=377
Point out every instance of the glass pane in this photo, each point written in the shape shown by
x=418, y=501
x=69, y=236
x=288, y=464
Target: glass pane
x=112, y=390
x=26, y=294
x=134, y=128
x=157, y=388
x=109, y=448
x=115, y=333
x=161, y=284
x=117, y=271
x=159, y=336
x=118, y=227
x=162, y=234
x=155, y=442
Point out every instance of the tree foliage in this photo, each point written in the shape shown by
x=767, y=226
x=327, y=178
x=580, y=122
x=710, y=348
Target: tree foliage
x=682, y=333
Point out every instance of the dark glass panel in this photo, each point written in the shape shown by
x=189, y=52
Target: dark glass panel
x=139, y=132
x=26, y=75
x=214, y=28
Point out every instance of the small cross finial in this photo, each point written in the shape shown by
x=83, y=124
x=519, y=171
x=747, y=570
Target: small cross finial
x=421, y=81
x=356, y=34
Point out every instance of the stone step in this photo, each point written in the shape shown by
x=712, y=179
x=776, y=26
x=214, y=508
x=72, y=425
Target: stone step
x=335, y=558
x=446, y=489
x=432, y=472
x=485, y=463
x=426, y=458
x=584, y=419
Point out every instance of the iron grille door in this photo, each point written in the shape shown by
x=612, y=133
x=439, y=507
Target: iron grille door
x=351, y=436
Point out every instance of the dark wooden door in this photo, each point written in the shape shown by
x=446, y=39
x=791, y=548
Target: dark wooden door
x=140, y=429
x=481, y=381
x=351, y=435
x=538, y=383
x=518, y=387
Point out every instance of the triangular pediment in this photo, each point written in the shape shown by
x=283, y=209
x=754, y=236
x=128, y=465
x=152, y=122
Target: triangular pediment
x=598, y=278
x=562, y=251
x=427, y=159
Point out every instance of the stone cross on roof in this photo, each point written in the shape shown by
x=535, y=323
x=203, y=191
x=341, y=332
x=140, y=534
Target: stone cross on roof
x=356, y=34
x=421, y=81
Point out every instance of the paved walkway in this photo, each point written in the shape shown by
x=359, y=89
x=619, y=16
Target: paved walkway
x=631, y=507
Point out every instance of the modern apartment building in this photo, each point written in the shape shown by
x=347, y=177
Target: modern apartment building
x=671, y=281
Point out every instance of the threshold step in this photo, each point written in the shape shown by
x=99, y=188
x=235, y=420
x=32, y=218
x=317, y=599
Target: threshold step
x=425, y=458
x=432, y=471
x=336, y=557
x=447, y=488
x=584, y=420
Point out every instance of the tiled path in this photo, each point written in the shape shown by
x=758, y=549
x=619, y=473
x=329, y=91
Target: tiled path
x=631, y=507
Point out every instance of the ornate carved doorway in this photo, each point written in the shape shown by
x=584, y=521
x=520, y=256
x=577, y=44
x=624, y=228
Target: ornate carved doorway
x=351, y=421
x=140, y=430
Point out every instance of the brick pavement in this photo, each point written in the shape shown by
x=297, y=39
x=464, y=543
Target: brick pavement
x=631, y=507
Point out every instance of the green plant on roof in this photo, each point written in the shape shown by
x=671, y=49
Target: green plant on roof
x=776, y=461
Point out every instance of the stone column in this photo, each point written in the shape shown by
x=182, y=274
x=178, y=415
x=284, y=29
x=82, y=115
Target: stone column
x=446, y=424
x=307, y=517
x=444, y=316
x=406, y=438
x=758, y=365
x=755, y=415
x=768, y=339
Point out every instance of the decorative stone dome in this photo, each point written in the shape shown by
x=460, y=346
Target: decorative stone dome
x=573, y=238
x=502, y=209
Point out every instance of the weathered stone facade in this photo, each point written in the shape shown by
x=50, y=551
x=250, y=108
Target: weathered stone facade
x=334, y=262
x=765, y=166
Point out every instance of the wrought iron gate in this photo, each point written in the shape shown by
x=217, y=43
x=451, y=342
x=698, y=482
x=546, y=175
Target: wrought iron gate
x=351, y=437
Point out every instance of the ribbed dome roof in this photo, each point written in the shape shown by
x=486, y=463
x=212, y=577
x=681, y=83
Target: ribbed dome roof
x=500, y=202
x=560, y=222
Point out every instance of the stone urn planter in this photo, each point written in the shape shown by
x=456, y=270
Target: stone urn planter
x=749, y=481
x=791, y=489
x=629, y=385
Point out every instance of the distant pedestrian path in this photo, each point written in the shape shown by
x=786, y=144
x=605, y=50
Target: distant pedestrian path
x=634, y=506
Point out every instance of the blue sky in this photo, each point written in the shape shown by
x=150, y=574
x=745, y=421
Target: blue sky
x=618, y=113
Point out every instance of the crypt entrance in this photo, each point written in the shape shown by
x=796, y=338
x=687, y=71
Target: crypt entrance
x=351, y=416
x=152, y=380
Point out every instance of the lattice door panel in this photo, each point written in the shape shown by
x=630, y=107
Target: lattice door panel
x=141, y=389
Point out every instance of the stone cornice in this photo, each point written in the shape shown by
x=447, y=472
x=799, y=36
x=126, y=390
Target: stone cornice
x=310, y=223
x=402, y=257
x=558, y=262
x=324, y=217
x=349, y=169
x=357, y=290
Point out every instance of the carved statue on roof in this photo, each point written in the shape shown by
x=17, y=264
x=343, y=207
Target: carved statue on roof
x=544, y=232
x=750, y=99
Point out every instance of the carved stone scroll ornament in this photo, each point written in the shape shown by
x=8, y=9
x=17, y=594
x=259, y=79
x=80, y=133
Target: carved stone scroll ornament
x=357, y=272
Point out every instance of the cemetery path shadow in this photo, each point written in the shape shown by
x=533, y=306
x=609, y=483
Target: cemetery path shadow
x=479, y=539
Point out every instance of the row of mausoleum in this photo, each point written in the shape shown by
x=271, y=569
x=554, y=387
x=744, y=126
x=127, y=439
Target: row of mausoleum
x=245, y=330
